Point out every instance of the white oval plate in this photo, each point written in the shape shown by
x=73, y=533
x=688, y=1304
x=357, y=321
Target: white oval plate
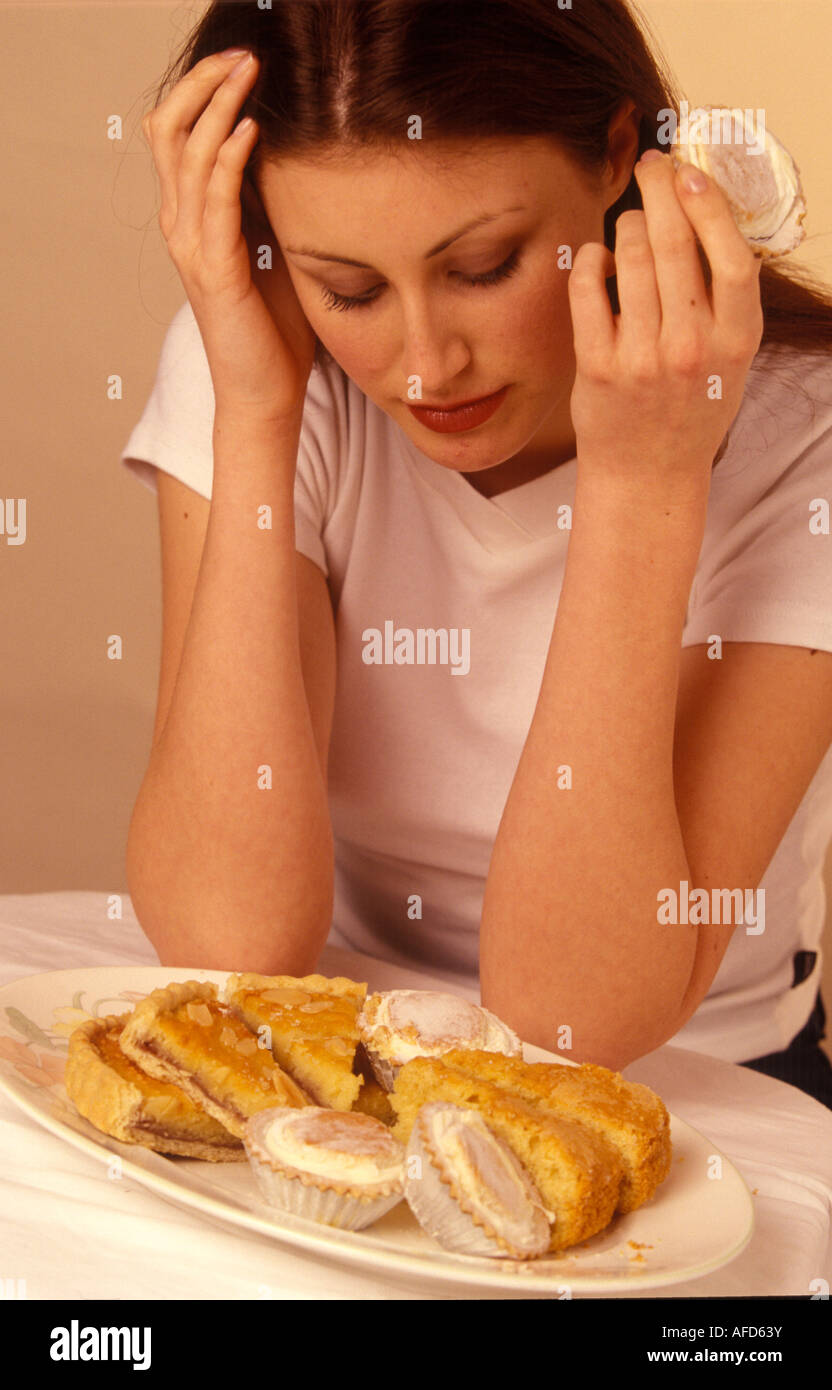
x=691, y=1226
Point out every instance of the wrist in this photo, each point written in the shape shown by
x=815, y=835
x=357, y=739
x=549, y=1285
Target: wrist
x=673, y=505
x=229, y=415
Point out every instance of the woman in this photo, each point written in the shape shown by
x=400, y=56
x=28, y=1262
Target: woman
x=537, y=747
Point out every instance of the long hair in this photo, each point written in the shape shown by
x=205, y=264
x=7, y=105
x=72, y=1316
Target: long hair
x=340, y=74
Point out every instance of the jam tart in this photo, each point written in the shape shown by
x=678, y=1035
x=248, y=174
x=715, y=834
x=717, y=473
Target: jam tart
x=185, y=1035
x=120, y=1099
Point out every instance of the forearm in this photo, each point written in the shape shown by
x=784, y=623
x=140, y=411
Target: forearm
x=226, y=872
x=569, y=932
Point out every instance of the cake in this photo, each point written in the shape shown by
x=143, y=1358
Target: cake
x=627, y=1113
x=183, y=1034
x=312, y=1022
x=397, y=1025
x=592, y=1143
x=120, y=1099
x=374, y=1100
x=758, y=176
x=331, y=1097
x=468, y=1190
x=345, y=1170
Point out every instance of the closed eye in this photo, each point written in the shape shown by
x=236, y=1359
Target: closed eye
x=490, y=277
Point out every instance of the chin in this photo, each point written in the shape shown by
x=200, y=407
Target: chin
x=474, y=454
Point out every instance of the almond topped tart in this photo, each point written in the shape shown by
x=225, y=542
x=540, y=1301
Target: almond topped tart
x=313, y=1022
x=185, y=1035
x=120, y=1099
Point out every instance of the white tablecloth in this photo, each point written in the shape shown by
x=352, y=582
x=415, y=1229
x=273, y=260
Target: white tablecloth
x=73, y=1234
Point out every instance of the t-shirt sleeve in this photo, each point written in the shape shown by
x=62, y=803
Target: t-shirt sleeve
x=175, y=433
x=765, y=568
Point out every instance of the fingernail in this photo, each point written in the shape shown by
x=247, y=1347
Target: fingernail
x=649, y=156
x=693, y=179
x=232, y=53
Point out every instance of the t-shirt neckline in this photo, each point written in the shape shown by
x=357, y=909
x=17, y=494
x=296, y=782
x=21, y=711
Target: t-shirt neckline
x=519, y=516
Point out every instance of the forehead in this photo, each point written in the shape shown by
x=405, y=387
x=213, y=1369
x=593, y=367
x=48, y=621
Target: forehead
x=422, y=177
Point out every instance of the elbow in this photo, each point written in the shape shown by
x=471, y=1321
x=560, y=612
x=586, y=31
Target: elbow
x=193, y=924
x=614, y=1042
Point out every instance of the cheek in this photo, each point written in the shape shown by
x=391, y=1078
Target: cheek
x=348, y=334
x=355, y=344
x=535, y=324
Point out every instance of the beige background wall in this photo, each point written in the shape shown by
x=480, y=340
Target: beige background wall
x=88, y=291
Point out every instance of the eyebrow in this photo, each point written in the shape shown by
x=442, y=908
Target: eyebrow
x=362, y=265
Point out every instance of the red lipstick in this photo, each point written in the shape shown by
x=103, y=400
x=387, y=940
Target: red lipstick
x=466, y=416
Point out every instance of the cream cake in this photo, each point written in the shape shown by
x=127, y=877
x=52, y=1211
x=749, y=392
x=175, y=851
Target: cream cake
x=345, y=1170
x=397, y=1025
x=755, y=172
x=467, y=1189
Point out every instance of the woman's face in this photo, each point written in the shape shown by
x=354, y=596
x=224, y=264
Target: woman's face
x=421, y=316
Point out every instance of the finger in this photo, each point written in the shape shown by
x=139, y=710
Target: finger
x=682, y=292
x=593, y=326
x=638, y=293
x=167, y=127
x=253, y=203
x=735, y=270
x=203, y=145
x=222, y=221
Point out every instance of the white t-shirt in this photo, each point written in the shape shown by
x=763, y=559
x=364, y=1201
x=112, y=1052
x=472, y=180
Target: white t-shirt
x=423, y=753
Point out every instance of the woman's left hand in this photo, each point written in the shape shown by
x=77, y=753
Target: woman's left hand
x=658, y=385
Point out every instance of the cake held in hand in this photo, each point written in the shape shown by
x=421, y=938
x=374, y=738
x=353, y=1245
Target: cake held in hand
x=755, y=172
x=342, y=1169
x=400, y=1024
x=468, y=1190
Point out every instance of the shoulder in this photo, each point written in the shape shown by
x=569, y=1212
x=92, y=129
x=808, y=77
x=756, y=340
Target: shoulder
x=765, y=567
x=787, y=403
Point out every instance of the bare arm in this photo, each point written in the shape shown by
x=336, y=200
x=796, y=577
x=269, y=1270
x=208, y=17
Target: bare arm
x=570, y=932
x=224, y=871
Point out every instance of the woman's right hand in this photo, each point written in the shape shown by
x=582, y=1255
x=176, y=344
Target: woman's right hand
x=260, y=354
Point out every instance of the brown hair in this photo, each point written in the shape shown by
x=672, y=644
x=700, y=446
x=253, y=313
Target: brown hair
x=347, y=73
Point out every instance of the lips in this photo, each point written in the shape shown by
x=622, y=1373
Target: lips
x=451, y=419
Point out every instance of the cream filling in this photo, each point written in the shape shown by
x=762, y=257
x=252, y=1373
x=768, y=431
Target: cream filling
x=357, y=1168
x=482, y=1168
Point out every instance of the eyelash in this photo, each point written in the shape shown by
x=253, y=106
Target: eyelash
x=491, y=277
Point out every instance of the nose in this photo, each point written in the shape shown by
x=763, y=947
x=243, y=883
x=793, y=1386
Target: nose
x=434, y=350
